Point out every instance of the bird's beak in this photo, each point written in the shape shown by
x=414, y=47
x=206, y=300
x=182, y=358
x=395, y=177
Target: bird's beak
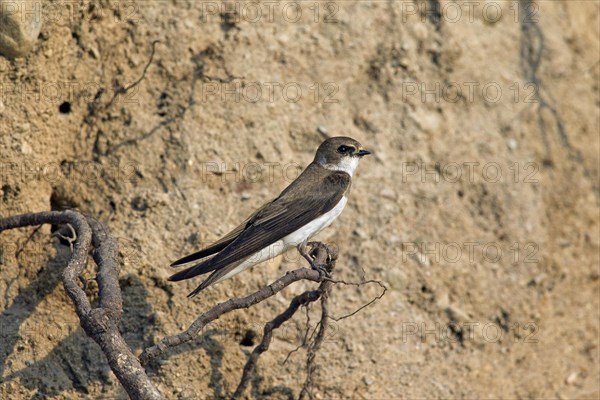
x=363, y=153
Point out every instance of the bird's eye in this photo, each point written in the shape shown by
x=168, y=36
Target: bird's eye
x=343, y=149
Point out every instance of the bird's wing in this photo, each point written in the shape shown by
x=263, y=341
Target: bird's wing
x=295, y=207
x=219, y=244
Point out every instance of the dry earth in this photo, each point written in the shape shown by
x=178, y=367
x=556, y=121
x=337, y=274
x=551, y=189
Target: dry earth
x=479, y=209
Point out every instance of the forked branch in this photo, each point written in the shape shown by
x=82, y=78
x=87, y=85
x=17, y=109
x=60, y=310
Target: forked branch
x=101, y=322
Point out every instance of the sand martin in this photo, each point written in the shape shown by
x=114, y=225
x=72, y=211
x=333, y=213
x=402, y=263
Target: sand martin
x=307, y=206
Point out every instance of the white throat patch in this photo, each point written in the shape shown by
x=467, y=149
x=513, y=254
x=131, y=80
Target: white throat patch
x=346, y=164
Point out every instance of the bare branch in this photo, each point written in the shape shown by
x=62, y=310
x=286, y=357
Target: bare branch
x=249, y=368
x=324, y=258
x=304, y=338
x=225, y=307
x=100, y=323
x=69, y=239
x=311, y=367
x=364, y=305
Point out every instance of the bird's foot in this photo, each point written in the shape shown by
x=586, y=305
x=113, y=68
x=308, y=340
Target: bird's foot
x=307, y=253
x=323, y=273
x=310, y=256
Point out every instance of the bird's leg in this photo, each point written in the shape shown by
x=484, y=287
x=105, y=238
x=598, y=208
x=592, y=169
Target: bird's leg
x=308, y=255
x=302, y=249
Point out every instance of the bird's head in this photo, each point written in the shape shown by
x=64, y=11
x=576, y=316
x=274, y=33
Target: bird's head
x=340, y=154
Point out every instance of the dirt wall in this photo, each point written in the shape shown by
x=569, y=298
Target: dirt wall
x=478, y=209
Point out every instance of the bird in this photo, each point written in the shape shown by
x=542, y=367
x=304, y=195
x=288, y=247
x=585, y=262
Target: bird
x=307, y=206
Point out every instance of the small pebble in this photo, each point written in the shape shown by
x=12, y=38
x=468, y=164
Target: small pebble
x=388, y=193
x=457, y=314
x=571, y=378
x=360, y=233
x=26, y=148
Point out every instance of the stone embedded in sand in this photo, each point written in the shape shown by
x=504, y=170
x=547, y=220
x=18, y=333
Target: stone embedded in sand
x=20, y=24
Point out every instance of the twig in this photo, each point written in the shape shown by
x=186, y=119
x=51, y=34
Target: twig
x=69, y=239
x=20, y=250
x=249, y=368
x=364, y=305
x=304, y=339
x=323, y=259
x=125, y=89
x=311, y=366
x=225, y=307
x=100, y=323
